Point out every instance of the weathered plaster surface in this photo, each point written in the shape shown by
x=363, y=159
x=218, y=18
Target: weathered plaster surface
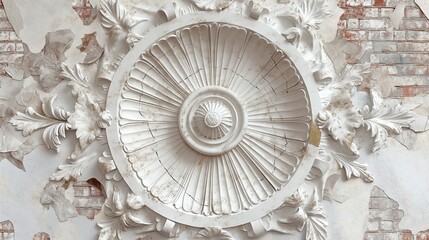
x=25, y=210
x=397, y=170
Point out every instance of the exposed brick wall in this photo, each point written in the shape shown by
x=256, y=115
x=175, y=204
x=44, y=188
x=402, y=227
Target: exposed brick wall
x=11, y=47
x=41, y=236
x=423, y=235
x=7, y=231
x=402, y=54
x=384, y=217
x=89, y=196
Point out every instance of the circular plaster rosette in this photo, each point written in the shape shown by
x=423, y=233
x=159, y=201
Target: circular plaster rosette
x=212, y=121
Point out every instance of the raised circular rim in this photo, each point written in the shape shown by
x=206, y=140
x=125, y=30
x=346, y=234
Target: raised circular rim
x=121, y=160
x=212, y=147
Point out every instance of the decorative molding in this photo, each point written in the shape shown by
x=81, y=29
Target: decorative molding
x=382, y=119
x=204, y=126
x=52, y=119
x=207, y=119
x=213, y=233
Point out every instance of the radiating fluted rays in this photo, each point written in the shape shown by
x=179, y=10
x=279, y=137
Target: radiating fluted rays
x=196, y=44
x=168, y=52
x=279, y=130
x=230, y=42
x=168, y=169
x=144, y=112
x=289, y=145
x=258, y=55
x=146, y=137
x=276, y=77
x=256, y=184
x=147, y=74
x=153, y=90
x=151, y=99
x=196, y=190
x=283, y=106
x=276, y=163
x=266, y=83
x=165, y=77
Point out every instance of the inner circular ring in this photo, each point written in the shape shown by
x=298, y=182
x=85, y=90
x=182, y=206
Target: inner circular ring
x=212, y=120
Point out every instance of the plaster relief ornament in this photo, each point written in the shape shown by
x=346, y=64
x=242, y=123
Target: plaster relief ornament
x=207, y=119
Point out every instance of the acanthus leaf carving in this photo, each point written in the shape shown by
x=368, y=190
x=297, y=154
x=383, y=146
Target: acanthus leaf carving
x=116, y=18
x=341, y=119
x=211, y=233
x=345, y=159
x=317, y=223
x=345, y=84
x=310, y=13
x=311, y=217
x=121, y=211
x=88, y=118
x=86, y=90
x=164, y=177
x=382, y=119
x=339, y=116
x=118, y=23
x=88, y=122
x=212, y=5
x=78, y=160
x=53, y=120
x=108, y=166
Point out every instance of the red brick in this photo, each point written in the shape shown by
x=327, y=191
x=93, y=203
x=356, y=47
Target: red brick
x=423, y=235
x=413, y=12
x=7, y=47
x=357, y=12
x=41, y=236
x=380, y=36
x=342, y=24
x=409, y=69
x=371, y=12
x=417, y=35
x=399, y=36
x=379, y=3
x=373, y=236
x=375, y=24
x=413, y=90
x=384, y=12
x=354, y=35
x=406, y=235
x=6, y=226
x=414, y=24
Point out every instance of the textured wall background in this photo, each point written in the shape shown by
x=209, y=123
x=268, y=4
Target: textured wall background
x=402, y=54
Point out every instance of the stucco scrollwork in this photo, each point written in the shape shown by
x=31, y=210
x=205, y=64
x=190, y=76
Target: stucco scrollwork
x=207, y=119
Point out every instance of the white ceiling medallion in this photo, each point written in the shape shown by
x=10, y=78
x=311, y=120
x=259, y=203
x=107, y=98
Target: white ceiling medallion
x=208, y=119
x=213, y=119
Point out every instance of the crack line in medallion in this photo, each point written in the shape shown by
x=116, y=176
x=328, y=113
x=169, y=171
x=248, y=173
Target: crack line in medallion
x=213, y=119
